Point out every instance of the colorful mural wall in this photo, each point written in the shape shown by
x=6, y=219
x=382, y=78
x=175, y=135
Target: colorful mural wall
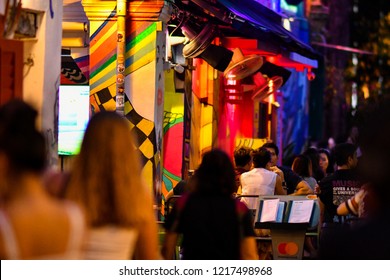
x=217, y=121
x=142, y=63
x=75, y=66
x=172, y=134
x=204, y=111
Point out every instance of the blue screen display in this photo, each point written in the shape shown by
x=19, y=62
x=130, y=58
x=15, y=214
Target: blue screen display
x=73, y=117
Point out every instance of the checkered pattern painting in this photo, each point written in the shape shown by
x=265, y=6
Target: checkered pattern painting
x=144, y=130
x=146, y=137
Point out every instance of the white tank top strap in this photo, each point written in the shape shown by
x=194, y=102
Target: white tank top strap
x=77, y=227
x=9, y=238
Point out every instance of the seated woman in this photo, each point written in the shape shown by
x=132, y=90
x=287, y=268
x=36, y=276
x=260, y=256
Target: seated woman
x=33, y=225
x=302, y=166
x=214, y=225
x=326, y=161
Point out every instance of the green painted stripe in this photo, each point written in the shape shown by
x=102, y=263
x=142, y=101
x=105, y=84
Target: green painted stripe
x=167, y=182
x=148, y=31
x=104, y=79
x=170, y=175
x=169, y=125
x=103, y=66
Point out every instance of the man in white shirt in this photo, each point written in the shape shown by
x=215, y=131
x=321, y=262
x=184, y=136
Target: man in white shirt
x=293, y=184
x=260, y=180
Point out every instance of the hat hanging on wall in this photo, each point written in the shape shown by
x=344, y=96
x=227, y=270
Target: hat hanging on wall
x=268, y=79
x=242, y=66
x=265, y=86
x=199, y=45
x=272, y=70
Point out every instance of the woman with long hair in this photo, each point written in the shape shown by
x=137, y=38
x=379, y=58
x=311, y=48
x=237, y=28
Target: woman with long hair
x=326, y=162
x=214, y=224
x=302, y=166
x=106, y=181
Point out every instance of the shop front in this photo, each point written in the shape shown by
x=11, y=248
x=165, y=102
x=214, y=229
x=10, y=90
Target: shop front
x=193, y=75
x=244, y=80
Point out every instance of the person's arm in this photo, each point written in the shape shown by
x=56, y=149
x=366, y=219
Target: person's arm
x=302, y=188
x=248, y=248
x=342, y=210
x=351, y=206
x=169, y=246
x=279, y=190
x=317, y=189
x=278, y=171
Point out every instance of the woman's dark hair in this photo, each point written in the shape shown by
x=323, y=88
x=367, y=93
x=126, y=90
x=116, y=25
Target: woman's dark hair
x=242, y=156
x=20, y=141
x=314, y=156
x=261, y=157
x=272, y=145
x=301, y=165
x=215, y=175
x=330, y=168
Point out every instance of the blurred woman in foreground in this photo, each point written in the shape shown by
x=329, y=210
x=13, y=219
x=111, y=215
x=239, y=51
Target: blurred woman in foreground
x=106, y=181
x=33, y=225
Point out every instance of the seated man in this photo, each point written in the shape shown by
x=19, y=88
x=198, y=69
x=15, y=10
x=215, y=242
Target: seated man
x=342, y=184
x=260, y=180
x=243, y=163
x=293, y=183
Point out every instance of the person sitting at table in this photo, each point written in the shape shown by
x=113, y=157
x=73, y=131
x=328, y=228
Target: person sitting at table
x=326, y=161
x=302, y=166
x=294, y=184
x=214, y=225
x=243, y=163
x=260, y=180
x=368, y=239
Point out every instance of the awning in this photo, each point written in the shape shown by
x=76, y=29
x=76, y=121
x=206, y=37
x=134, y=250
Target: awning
x=253, y=20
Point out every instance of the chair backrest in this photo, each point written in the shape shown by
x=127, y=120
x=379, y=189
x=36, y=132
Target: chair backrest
x=244, y=199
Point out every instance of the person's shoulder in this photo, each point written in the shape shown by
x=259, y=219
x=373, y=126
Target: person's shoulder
x=269, y=173
x=289, y=173
x=248, y=173
x=343, y=174
x=311, y=180
x=327, y=179
x=284, y=168
x=180, y=188
x=182, y=200
x=240, y=170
